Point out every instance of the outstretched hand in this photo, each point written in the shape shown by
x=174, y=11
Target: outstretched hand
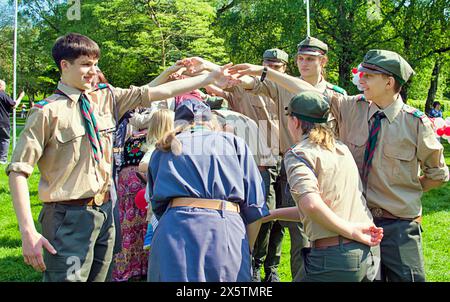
x=176, y=72
x=246, y=69
x=176, y=68
x=195, y=65
x=222, y=77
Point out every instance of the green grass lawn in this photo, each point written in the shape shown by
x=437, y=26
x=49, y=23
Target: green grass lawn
x=436, y=241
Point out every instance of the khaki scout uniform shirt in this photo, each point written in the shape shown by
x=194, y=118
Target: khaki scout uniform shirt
x=264, y=112
x=406, y=145
x=54, y=137
x=337, y=182
x=281, y=98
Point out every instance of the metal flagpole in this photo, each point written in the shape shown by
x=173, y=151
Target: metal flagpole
x=308, y=31
x=15, y=71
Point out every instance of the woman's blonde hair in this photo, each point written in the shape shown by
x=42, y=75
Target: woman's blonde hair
x=160, y=122
x=169, y=142
x=320, y=134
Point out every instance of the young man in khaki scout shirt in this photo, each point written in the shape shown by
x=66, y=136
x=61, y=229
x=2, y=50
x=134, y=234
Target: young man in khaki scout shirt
x=265, y=112
x=391, y=143
x=69, y=136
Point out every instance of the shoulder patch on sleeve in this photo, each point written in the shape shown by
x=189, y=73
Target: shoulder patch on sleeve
x=416, y=113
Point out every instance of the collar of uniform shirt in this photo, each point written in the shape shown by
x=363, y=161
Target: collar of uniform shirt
x=302, y=138
x=72, y=93
x=391, y=111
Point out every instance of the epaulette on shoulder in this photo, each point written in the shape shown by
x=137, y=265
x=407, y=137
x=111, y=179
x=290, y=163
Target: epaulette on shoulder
x=361, y=98
x=101, y=86
x=336, y=88
x=44, y=102
x=339, y=89
x=416, y=113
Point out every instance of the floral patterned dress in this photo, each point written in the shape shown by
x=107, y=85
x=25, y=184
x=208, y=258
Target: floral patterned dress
x=132, y=261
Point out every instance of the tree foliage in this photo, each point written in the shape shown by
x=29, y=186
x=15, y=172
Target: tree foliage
x=139, y=38
x=417, y=29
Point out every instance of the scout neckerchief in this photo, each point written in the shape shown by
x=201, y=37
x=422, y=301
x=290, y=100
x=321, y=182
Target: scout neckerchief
x=371, y=145
x=90, y=124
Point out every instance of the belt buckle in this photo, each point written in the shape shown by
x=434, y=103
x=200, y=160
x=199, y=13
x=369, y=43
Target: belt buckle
x=98, y=199
x=377, y=212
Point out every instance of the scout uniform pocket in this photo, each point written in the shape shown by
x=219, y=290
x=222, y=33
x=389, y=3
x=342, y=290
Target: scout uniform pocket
x=398, y=163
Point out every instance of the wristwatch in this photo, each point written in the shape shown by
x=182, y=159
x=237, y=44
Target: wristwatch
x=264, y=73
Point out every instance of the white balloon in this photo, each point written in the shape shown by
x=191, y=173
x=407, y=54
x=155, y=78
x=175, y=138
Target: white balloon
x=447, y=121
x=439, y=122
x=356, y=77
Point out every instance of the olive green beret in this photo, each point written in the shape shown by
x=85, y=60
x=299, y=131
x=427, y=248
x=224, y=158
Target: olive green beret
x=276, y=55
x=309, y=106
x=387, y=62
x=312, y=46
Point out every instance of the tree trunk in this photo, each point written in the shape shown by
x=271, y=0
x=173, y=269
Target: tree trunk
x=161, y=33
x=404, y=92
x=345, y=57
x=433, y=85
x=344, y=74
x=31, y=100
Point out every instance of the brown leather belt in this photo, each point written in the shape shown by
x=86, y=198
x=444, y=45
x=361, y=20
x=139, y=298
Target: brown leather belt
x=382, y=213
x=98, y=200
x=213, y=204
x=328, y=242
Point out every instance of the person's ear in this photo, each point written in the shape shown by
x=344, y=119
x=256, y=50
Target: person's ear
x=298, y=123
x=65, y=65
x=323, y=61
x=391, y=83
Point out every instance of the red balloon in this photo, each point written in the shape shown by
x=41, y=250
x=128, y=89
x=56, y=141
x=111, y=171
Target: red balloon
x=440, y=131
x=447, y=131
x=354, y=70
x=140, y=201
